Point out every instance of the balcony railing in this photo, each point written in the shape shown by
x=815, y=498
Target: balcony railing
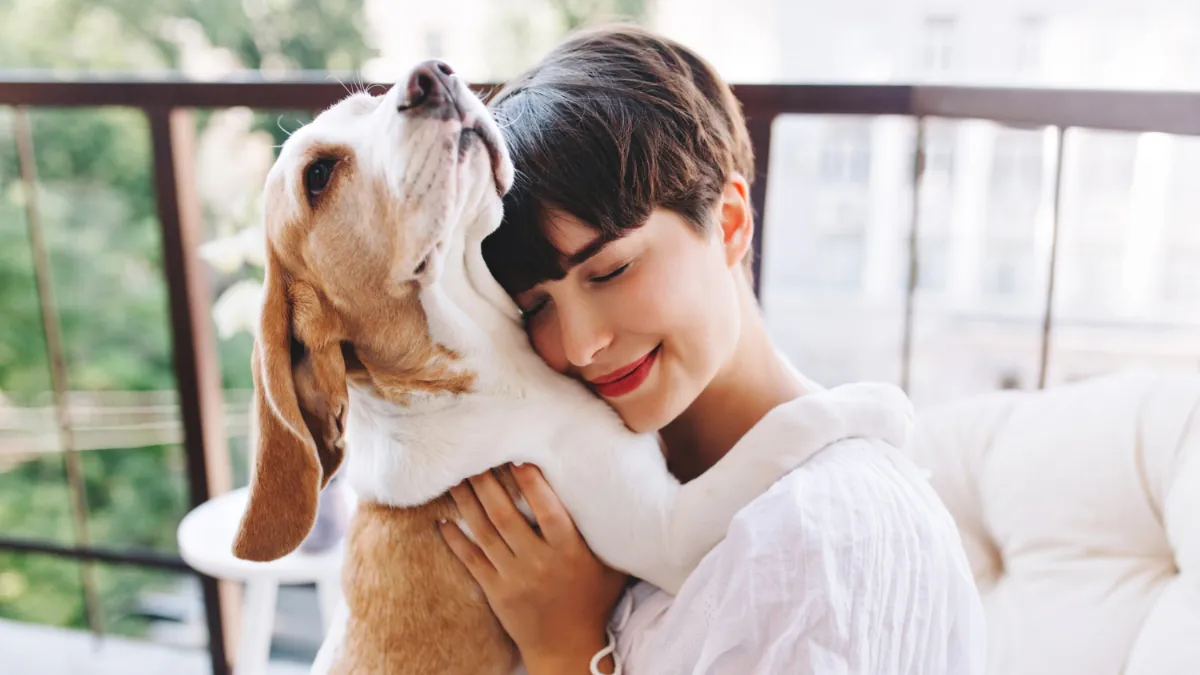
x=202, y=419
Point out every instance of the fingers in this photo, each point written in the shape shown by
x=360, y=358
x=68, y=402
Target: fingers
x=552, y=517
x=503, y=514
x=482, y=530
x=472, y=557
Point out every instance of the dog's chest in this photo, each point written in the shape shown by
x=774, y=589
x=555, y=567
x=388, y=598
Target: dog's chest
x=405, y=457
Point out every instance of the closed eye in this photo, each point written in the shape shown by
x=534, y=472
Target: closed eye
x=611, y=275
x=537, y=307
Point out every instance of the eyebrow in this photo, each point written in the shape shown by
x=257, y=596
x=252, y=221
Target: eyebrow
x=327, y=150
x=584, y=254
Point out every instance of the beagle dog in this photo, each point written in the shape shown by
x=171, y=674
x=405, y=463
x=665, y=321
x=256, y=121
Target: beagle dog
x=385, y=341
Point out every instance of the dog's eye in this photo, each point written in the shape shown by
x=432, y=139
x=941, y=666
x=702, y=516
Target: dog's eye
x=317, y=175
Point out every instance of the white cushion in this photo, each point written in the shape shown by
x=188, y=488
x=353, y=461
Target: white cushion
x=1080, y=510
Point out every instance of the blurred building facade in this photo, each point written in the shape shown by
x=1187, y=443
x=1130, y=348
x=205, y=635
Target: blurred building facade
x=839, y=211
x=839, y=205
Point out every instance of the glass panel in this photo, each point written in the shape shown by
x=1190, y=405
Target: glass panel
x=34, y=502
x=153, y=620
x=986, y=206
x=1128, y=295
x=1180, y=277
x=835, y=243
x=41, y=589
x=98, y=218
x=136, y=496
x=298, y=632
x=153, y=605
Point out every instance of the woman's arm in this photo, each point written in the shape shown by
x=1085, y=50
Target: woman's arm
x=549, y=591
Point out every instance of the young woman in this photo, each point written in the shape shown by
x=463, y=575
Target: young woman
x=626, y=242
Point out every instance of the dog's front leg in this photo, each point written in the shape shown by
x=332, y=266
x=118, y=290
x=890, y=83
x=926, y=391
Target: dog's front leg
x=659, y=531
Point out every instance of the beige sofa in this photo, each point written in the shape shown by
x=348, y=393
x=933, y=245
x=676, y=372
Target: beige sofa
x=1080, y=510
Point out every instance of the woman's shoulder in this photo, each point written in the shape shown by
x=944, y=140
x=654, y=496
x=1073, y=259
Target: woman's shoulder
x=853, y=490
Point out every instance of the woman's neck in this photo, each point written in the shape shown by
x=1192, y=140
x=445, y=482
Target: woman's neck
x=749, y=385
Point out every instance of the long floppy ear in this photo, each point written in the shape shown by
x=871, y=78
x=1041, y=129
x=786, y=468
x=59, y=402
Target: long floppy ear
x=300, y=407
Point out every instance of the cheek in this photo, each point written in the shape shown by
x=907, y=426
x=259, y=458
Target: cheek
x=352, y=260
x=697, y=315
x=545, y=341
x=677, y=299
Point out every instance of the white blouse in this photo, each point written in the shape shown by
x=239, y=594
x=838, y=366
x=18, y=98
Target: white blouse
x=850, y=565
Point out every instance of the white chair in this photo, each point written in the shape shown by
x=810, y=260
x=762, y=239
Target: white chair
x=206, y=537
x=1080, y=510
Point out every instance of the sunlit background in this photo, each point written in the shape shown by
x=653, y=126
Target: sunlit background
x=835, y=273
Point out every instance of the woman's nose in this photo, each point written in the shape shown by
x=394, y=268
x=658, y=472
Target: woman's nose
x=584, y=336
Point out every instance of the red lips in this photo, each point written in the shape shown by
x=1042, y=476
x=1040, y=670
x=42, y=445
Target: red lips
x=625, y=379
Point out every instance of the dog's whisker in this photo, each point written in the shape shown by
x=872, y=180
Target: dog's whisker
x=279, y=124
x=339, y=81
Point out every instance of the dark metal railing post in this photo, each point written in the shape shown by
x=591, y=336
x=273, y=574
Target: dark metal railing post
x=759, y=127
x=914, y=266
x=1052, y=272
x=197, y=374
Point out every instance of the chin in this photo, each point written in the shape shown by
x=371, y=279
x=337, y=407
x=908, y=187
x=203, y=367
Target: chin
x=646, y=414
x=662, y=399
x=640, y=424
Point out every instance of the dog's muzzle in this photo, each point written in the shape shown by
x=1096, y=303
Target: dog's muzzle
x=433, y=91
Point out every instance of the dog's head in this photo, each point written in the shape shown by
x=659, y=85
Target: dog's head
x=359, y=208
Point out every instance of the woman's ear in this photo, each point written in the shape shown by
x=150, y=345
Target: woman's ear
x=736, y=218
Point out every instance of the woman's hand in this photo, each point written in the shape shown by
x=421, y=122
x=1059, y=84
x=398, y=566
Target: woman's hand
x=552, y=595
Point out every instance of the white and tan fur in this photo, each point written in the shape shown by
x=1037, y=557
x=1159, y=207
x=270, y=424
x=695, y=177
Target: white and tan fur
x=383, y=332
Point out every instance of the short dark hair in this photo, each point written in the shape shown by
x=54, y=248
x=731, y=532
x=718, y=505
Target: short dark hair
x=613, y=123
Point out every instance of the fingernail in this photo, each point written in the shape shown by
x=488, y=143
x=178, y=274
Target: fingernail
x=442, y=521
x=518, y=463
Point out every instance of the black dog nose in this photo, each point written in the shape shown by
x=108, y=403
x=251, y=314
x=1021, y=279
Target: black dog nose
x=429, y=84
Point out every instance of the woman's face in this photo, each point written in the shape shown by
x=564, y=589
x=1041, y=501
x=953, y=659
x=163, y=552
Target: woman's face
x=646, y=320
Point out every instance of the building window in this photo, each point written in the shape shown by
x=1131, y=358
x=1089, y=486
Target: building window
x=846, y=159
x=840, y=257
x=1181, y=273
x=1029, y=44
x=938, y=52
x=1095, y=279
x=1017, y=163
x=933, y=264
x=1008, y=270
x=939, y=158
x=434, y=45
x=839, y=247
x=1106, y=162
